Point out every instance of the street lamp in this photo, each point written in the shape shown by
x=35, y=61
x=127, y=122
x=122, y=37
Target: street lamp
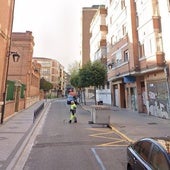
x=16, y=57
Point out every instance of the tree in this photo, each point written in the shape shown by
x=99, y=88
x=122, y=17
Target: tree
x=91, y=74
x=45, y=85
x=98, y=74
x=74, y=67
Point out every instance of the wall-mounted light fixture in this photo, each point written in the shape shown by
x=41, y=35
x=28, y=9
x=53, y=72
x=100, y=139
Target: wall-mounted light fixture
x=16, y=57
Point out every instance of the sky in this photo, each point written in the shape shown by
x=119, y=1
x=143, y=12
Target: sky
x=55, y=25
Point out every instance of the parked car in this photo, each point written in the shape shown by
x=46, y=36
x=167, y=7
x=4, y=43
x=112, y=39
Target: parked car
x=71, y=98
x=149, y=154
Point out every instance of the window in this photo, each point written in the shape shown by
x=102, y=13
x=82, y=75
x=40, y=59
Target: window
x=137, y=20
x=108, y=85
x=141, y=50
x=112, y=40
x=118, y=56
x=124, y=30
x=158, y=159
x=168, y=5
x=111, y=20
x=122, y=4
x=143, y=149
x=126, y=55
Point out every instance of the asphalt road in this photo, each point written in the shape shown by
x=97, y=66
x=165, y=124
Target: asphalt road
x=59, y=145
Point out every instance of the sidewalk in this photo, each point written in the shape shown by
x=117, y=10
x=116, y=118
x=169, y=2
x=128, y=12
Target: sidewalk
x=16, y=131
x=133, y=125
x=13, y=135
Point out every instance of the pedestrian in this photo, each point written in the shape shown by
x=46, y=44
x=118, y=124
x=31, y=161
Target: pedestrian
x=73, y=108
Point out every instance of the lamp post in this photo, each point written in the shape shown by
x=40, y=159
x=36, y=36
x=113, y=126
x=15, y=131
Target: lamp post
x=16, y=57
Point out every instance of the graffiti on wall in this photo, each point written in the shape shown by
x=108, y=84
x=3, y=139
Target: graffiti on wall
x=157, y=99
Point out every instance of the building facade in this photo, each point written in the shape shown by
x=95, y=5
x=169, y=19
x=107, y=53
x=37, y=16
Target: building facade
x=6, y=20
x=153, y=54
x=24, y=70
x=52, y=71
x=87, y=16
x=122, y=49
x=138, y=55
x=98, y=48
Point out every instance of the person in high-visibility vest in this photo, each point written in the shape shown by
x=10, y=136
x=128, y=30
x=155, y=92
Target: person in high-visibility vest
x=73, y=108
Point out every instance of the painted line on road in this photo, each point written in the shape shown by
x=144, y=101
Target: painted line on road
x=121, y=134
x=115, y=141
x=98, y=159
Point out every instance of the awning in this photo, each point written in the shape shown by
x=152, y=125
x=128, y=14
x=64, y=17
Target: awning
x=129, y=79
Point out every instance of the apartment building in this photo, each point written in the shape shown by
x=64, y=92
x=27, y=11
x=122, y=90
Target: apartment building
x=52, y=71
x=6, y=23
x=6, y=20
x=98, y=48
x=138, y=55
x=24, y=70
x=87, y=16
x=98, y=31
x=153, y=56
x=121, y=52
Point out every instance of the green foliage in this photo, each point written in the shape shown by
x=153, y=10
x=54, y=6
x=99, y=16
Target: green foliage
x=45, y=85
x=74, y=80
x=85, y=75
x=91, y=74
x=99, y=73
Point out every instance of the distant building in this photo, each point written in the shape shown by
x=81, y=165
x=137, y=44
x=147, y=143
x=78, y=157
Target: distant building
x=52, y=71
x=25, y=71
x=87, y=16
x=98, y=48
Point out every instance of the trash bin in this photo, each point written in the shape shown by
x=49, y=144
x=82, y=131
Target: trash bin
x=100, y=114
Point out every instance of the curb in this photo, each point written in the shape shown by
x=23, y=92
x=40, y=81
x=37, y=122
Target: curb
x=16, y=161
x=121, y=134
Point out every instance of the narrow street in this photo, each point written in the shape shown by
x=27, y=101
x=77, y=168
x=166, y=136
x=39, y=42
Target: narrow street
x=60, y=145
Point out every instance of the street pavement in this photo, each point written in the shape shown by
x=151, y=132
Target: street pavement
x=17, y=130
